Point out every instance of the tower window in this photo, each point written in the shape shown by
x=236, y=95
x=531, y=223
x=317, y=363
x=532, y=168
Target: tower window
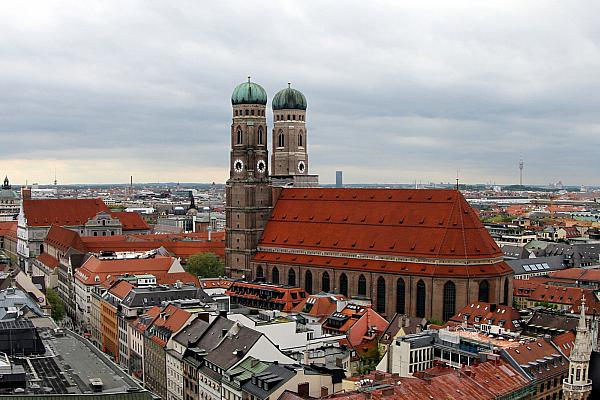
x=260, y=135
x=240, y=137
x=251, y=112
x=449, y=300
x=293, y=117
x=247, y=112
x=288, y=117
x=300, y=141
x=236, y=112
x=281, y=139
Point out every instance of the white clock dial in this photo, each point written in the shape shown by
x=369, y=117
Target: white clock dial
x=301, y=167
x=261, y=166
x=238, y=166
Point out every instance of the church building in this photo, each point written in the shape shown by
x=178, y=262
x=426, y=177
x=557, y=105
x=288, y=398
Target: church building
x=424, y=252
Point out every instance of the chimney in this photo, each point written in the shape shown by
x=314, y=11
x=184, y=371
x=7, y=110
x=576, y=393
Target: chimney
x=324, y=391
x=378, y=376
x=303, y=389
x=25, y=193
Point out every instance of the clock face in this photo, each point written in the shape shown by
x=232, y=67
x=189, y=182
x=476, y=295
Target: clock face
x=238, y=166
x=301, y=167
x=261, y=166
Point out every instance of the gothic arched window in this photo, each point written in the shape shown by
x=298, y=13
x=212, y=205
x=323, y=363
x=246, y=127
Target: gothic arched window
x=381, y=295
x=421, y=299
x=343, y=284
x=259, y=272
x=240, y=137
x=275, y=275
x=300, y=140
x=325, y=286
x=449, y=300
x=308, y=282
x=292, y=277
x=260, y=135
x=281, y=139
x=362, y=285
x=505, y=302
x=484, y=291
x=400, y=296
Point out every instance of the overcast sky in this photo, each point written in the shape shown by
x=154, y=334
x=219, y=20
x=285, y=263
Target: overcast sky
x=397, y=91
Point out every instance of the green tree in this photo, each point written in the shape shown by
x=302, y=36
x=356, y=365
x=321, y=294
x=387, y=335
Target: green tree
x=56, y=304
x=369, y=360
x=206, y=265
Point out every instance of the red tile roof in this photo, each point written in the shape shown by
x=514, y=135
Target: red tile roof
x=8, y=229
x=179, y=248
x=64, y=212
x=170, y=319
x=105, y=269
x=487, y=380
x=405, y=226
x=318, y=305
x=481, y=313
x=576, y=274
x=538, y=291
x=131, y=221
x=565, y=342
x=48, y=260
x=216, y=283
x=63, y=239
x=535, y=355
x=121, y=289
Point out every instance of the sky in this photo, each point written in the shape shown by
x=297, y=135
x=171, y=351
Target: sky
x=397, y=91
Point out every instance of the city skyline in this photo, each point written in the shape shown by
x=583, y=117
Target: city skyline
x=395, y=94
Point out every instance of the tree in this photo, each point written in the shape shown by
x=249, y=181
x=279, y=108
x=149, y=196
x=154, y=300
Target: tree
x=56, y=305
x=206, y=265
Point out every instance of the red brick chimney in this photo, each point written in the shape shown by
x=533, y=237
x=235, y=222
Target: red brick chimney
x=304, y=389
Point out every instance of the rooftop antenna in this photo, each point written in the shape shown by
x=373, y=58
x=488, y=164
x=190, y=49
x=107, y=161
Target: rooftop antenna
x=248, y=78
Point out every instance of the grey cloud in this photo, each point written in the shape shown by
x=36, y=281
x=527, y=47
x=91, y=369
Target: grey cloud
x=396, y=91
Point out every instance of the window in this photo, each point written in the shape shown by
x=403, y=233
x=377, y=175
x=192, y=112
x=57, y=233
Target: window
x=308, y=282
x=362, y=285
x=449, y=300
x=325, y=282
x=275, y=275
x=260, y=135
x=400, y=296
x=421, y=299
x=484, y=291
x=259, y=272
x=240, y=137
x=292, y=277
x=281, y=139
x=344, y=284
x=505, y=292
x=300, y=140
x=381, y=295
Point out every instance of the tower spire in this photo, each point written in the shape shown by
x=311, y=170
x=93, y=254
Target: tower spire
x=578, y=386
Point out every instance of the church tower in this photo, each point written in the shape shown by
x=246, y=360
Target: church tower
x=248, y=189
x=578, y=386
x=290, y=155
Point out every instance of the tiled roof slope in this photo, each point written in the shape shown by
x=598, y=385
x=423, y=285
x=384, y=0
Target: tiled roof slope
x=130, y=220
x=63, y=238
x=69, y=212
x=415, y=225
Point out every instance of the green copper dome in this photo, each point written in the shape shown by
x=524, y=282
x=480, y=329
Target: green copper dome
x=289, y=98
x=248, y=93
